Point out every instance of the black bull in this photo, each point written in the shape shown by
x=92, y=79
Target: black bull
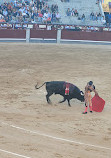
x=58, y=87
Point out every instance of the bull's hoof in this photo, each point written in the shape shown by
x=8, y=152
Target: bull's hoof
x=49, y=102
x=91, y=112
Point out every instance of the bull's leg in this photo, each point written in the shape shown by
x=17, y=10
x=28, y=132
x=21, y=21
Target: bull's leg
x=63, y=100
x=47, y=97
x=69, y=102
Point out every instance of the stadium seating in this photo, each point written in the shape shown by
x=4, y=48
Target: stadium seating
x=83, y=7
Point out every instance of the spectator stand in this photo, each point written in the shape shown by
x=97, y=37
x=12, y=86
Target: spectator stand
x=29, y=11
x=39, y=11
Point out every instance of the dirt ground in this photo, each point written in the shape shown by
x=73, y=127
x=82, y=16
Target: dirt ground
x=29, y=127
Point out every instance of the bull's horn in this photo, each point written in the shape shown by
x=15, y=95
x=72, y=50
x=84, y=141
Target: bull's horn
x=82, y=93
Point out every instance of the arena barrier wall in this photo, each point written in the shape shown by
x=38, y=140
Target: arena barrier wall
x=5, y=33
x=52, y=34
x=93, y=36
x=45, y=34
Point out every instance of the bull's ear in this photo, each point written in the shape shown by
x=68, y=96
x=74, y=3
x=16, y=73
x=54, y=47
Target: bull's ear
x=82, y=93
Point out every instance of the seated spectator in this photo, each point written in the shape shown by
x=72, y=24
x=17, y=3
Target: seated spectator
x=1, y=16
x=76, y=12
x=14, y=13
x=36, y=15
x=31, y=3
x=13, y=20
x=68, y=12
x=49, y=20
x=52, y=8
x=49, y=14
x=32, y=15
x=34, y=8
x=96, y=16
x=83, y=18
x=56, y=8
x=21, y=9
x=72, y=12
x=46, y=15
x=5, y=13
x=26, y=2
x=58, y=17
x=2, y=20
x=103, y=20
x=18, y=26
x=40, y=17
x=92, y=28
x=47, y=8
x=8, y=18
x=67, y=27
x=44, y=19
x=9, y=7
x=92, y=16
x=53, y=17
x=99, y=16
x=24, y=15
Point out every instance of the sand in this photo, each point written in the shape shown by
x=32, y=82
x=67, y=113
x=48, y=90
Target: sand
x=32, y=128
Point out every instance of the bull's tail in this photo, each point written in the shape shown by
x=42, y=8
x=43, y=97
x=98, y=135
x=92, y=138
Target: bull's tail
x=40, y=86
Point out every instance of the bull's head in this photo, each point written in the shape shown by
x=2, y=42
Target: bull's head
x=81, y=96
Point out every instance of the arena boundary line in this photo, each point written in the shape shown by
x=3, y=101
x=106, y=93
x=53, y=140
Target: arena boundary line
x=49, y=41
x=9, y=152
x=57, y=138
x=89, y=41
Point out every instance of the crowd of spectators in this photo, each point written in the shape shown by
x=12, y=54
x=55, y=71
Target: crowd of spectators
x=34, y=11
x=72, y=12
x=97, y=16
x=93, y=16
x=29, y=11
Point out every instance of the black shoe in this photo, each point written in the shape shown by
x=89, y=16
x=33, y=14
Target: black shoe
x=84, y=113
x=91, y=112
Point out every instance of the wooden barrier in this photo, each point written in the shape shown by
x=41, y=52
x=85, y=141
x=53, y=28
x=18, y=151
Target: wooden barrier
x=6, y=33
x=93, y=36
x=52, y=34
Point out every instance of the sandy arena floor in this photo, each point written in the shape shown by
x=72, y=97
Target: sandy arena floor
x=29, y=127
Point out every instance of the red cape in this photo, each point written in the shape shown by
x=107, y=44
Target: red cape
x=97, y=104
